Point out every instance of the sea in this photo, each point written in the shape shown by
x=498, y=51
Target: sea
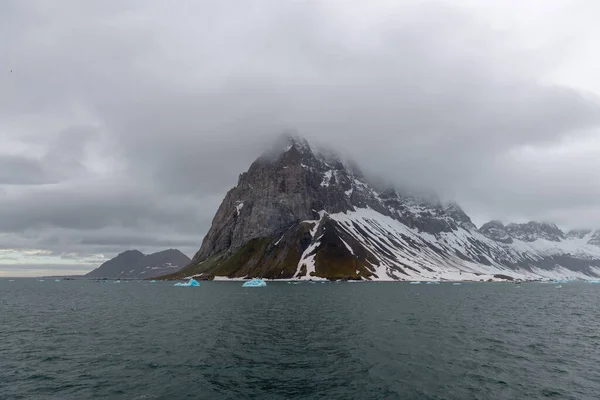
x=82, y=339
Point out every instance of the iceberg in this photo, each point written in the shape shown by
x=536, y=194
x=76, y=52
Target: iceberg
x=255, y=283
x=432, y=283
x=414, y=283
x=191, y=282
x=593, y=281
x=57, y=280
x=456, y=283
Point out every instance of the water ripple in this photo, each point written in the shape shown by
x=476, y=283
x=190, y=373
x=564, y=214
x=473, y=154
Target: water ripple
x=79, y=340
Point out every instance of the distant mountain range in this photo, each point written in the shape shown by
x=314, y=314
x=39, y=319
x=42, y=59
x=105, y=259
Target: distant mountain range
x=135, y=264
x=306, y=214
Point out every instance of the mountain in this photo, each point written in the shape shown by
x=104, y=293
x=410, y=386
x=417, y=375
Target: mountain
x=135, y=264
x=306, y=214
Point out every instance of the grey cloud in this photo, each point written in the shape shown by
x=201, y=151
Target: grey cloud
x=92, y=205
x=44, y=267
x=61, y=160
x=38, y=270
x=16, y=169
x=138, y=241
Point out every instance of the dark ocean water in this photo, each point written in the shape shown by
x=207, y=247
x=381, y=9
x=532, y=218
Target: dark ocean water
x=141, y=340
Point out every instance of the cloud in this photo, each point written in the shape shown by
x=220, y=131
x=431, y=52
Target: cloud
x=39, y=270
x=123, y=123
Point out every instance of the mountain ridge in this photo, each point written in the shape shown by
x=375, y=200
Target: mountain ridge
x=135, y=264
x=299, y=213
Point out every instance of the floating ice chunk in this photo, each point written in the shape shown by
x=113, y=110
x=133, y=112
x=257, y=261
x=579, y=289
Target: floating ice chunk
x=152, y=281
x=432, y=283
x=414, y=283
x=457, y=283
x=57, y=280
x=594, y=281
x=255, y=283
x=191, y=282
x=558, y=287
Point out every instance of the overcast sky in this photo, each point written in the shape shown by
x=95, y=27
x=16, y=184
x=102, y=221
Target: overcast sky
x=123, y=123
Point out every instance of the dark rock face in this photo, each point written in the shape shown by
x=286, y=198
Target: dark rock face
x=135, y=264
x=532, y=231
x=278, y=190
x=495, y=230
x=301, y=213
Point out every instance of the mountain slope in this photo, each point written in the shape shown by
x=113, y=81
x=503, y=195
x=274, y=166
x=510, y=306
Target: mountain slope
x=135, y=264
x=298, y=213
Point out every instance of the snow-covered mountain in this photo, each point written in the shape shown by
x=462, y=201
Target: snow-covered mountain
x=306, y=214
x=135, y=264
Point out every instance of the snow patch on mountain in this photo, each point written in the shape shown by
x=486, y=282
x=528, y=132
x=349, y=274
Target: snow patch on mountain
x=239, y=207
x=407, y=254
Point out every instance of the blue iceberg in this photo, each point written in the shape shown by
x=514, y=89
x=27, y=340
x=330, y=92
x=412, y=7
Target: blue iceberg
x=191, y=282
x=255, y=283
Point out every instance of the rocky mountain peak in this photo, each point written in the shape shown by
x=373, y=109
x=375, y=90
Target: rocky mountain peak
x=595, y=239
x=533, y=230
x=288, y=145
x=135, y=264
x=455, y=212
x=130, y=255
x=578, y=233
x=495, y=230
x=284, y=186
x=497, y=224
